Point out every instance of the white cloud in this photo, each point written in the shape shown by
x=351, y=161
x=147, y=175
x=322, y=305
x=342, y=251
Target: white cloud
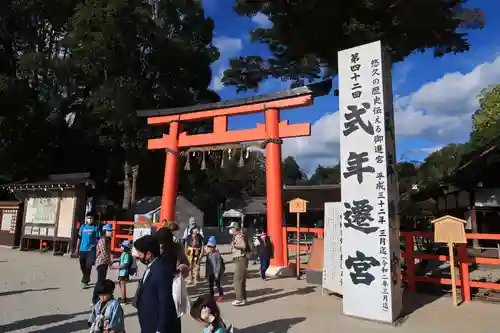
x=439, y=112
x=228, y=47
x=262, y=20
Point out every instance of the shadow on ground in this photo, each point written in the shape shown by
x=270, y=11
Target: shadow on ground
x=413, y=302
x=73, y=326
x=39, y=321
x=275, y=326
x=16, y=292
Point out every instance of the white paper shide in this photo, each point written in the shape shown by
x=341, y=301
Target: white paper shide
x=370, y=248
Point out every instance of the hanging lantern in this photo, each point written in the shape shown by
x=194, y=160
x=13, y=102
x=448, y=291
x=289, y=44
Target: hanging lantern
x=203, y=163
x=229, y=153
x=247, y=153
x=222, y=160
x=241, y=162
x=188, y=164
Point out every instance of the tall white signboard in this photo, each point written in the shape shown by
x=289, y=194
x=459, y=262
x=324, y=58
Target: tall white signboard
x=332, y=257
x=370, y=248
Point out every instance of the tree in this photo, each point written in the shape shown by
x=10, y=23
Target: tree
x=407, y=173
x=143, y=56
x=440, y=164
x=292, y=174
x=306, y=35
x=326, y=175
x=486, y=120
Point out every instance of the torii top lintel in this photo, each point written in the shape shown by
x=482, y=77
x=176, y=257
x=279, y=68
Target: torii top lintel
x=220, y=112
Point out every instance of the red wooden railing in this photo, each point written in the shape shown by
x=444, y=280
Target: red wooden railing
x=292, y=248
x=464, y=260
x=122, y=230
x=409, y=255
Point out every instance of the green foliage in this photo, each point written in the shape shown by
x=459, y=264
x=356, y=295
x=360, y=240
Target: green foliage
x=440, y=164
x=292, y=174
x=73, y=73
x=326, y=175
x=306, y=35
x=486, y=120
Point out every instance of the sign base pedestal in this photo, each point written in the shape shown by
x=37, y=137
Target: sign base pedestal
x=277, y=272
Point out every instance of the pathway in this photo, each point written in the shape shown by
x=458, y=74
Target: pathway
x=40, y=293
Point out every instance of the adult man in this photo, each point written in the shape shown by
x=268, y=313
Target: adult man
x=240, y=250
x=154, y=302
x=189, y=229
x=88, y=235
x=194, y=250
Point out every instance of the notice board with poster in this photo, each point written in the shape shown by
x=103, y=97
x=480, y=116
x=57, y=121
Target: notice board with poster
x=332, y=258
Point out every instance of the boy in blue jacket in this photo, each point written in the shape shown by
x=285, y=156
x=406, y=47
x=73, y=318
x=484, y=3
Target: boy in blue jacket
x=215, y=268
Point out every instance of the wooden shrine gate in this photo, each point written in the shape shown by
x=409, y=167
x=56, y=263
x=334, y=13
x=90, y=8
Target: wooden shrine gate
x=271, y=133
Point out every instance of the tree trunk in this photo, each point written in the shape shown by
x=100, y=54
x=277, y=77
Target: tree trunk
x=127, y=186
x=135, y=173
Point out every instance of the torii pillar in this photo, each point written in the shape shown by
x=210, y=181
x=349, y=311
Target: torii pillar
x=271, y=133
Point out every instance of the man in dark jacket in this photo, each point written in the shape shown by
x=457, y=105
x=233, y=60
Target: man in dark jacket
x=154, y=301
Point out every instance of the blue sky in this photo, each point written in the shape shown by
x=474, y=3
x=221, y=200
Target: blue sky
x=433, y=98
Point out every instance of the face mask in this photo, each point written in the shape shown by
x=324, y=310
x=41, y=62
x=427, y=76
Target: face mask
x=109, y=234
x=145, y=261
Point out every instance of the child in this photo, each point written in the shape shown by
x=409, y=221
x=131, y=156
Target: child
x=107, y=314
x=126, y=262
x=205, y=311
x=215, y=268
x=265, y=250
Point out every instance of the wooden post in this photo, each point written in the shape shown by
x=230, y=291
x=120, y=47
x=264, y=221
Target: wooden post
x=298, y=246
x=298, y=206
x=452, y=272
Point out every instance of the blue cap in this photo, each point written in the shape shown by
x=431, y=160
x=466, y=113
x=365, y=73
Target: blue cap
x=108, y=227
x=211, y=241
x=126, y=243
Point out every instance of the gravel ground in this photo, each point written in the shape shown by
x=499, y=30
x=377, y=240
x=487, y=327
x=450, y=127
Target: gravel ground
x=40, y=293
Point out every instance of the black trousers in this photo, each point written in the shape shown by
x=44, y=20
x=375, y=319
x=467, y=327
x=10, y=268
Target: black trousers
x=102, y=271
x=213, y=281
x=87, y=259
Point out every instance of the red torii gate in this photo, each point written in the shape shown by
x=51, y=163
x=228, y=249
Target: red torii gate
x=271, y=133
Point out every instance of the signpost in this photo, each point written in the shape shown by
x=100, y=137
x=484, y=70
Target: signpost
x=369, y=192
x=450, y=230
x=298, y=206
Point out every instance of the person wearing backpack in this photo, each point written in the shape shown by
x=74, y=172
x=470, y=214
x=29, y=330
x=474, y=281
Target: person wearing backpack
x=103, y=259
x=215, y=268
x=241, y=252
x=265, y=251
x=125, y=269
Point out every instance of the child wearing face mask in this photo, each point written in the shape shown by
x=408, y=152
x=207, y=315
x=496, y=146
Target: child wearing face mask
x=107, y=314
x=103, y=258
x=126, y=263
x=215, y=268
x=205, y=311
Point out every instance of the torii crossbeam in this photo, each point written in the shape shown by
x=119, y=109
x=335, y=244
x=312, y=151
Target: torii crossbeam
x=272, y=133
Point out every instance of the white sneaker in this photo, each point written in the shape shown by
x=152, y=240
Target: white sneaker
x=239, y=303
